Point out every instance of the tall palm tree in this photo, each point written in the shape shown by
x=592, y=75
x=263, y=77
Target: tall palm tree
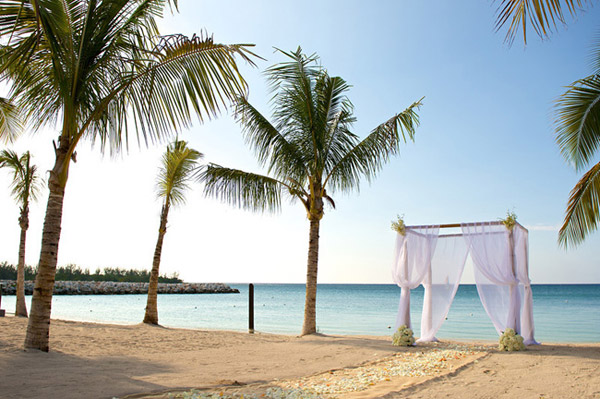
x=578, y=136
x=542, y=15
x=103, y=72
x=309, y=151
x=179, y=166
x=25, y=188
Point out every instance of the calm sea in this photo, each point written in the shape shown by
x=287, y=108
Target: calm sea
x=562, y=313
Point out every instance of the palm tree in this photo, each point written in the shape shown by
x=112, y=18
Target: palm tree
x=542, y=15
x=103, y=72
x=25, y=188
x=179, y=165
x=578, y=136
x=309, y=151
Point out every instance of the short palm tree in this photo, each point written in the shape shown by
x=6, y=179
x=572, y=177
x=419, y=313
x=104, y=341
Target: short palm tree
x=578, y=136
x=101, y=71
x=25, y=188
x=542, y=15
x=309, y=151
x=179, y=166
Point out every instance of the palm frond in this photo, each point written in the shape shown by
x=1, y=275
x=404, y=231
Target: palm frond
x=583, y=211
x=578, y=121
x=20, y=31
x=10, y=159
x=595, y=55
x=368, y=157
x=242, y=189
x=10, y=122
x=334, y=121
x=542, y=15
x=282, y=75
x=294, y=103
x=341, y=140
x=184, y=74
x=271, y=148
x=178, y=168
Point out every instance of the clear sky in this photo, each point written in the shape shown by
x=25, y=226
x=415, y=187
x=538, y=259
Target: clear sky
x=485, y=145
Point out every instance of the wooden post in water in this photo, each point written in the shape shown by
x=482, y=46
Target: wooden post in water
x=251, y=308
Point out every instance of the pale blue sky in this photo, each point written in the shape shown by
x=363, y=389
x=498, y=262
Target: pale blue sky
x=485, y=145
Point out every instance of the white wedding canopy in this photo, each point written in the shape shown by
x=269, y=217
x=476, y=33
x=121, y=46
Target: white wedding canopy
x=500, y=256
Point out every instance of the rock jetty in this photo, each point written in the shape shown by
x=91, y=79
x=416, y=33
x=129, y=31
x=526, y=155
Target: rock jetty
x=9, y=287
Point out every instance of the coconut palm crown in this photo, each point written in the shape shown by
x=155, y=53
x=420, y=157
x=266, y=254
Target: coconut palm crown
x=26, y=187
x=309, y=151
x=179, y=166
x=100, y=70
x=578, y=136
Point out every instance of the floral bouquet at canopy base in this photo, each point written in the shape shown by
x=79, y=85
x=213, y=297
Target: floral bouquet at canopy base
x=403, y=337
x=511, y=341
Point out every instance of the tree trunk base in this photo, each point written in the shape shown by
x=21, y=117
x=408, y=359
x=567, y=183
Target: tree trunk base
x=151, y=321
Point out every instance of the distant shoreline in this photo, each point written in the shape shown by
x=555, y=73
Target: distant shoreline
x=120, y=288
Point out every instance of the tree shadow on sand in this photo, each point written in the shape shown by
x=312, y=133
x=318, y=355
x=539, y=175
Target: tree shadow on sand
x=36, y=374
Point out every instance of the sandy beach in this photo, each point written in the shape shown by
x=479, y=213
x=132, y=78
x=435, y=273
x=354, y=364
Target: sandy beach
x=90, y=360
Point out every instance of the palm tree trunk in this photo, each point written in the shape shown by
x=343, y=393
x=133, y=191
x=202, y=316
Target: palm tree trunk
x=151, y=316
x=310, y=305
x=38, y=328
x=21, y=306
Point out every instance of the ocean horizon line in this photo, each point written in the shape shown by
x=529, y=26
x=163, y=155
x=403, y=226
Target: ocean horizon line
x=469, y=284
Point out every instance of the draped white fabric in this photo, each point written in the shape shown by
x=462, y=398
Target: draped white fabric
x=501, y=261
x=501, y=270
x=441, y=283
x=496, y=282
x=521, y=239
x=412, y=261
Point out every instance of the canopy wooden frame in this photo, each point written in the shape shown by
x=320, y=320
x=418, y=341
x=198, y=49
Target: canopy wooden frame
x=458, y=225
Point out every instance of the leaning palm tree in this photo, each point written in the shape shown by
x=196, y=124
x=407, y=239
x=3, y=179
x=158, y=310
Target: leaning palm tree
x=578, y=136
x=310, y=152
x=179, y=166
x=542, y=15
x=101, y=71
x=25, y=188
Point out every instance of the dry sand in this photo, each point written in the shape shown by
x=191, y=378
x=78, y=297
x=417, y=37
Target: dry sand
x=90, y=360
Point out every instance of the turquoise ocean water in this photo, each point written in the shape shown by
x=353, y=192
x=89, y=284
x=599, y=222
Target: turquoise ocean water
x=562, y=313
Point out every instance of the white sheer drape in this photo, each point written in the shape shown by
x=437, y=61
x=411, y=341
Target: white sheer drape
x=441, y=283
x=521, y=239
x=496, y=282
x=501, y=263
x=412, y=261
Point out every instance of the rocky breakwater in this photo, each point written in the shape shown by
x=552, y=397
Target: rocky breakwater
x=9, y=287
